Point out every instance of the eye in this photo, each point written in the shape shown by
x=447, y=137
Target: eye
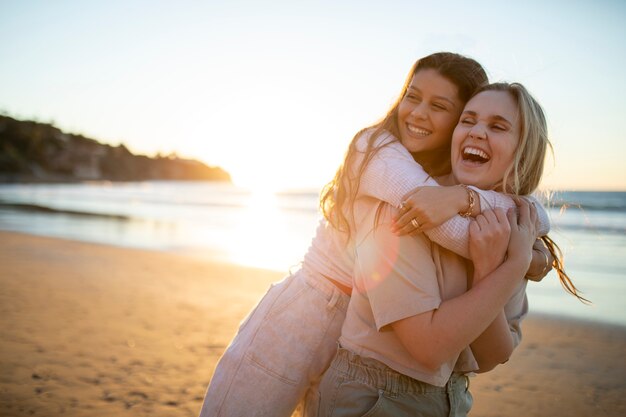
x=439, y=106
x=467, y=121
x=499, y=127
x=412, y=97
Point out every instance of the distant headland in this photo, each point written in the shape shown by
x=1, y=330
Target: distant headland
x=39, y=152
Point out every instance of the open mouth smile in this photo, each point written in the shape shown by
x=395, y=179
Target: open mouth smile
x=475, y=155
x=417, y=131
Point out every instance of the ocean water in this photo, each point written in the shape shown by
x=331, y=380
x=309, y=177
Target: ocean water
x=220, y=221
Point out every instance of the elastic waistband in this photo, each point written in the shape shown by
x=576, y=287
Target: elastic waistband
x=334, y=295
x=377, y=374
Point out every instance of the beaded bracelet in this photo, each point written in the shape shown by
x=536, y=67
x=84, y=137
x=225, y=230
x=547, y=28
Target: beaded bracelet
x=471, y=201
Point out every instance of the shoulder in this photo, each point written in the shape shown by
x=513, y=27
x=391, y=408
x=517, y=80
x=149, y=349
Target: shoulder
x=365, y=136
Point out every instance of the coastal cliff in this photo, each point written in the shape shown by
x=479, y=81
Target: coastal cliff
x=39, y=152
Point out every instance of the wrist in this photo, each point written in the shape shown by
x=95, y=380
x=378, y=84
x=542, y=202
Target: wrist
x=481, y=272
x=484, y=268
x=519, y=263
x=469, y=206
x=456, y=197
x=539, y=265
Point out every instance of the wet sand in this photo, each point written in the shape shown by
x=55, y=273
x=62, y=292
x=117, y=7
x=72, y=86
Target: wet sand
x=94, y=330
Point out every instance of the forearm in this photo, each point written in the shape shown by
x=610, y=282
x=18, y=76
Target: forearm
x=453, y=233
x=494, y=346
x=391, y=173
x=493, y=199
x=461, y=320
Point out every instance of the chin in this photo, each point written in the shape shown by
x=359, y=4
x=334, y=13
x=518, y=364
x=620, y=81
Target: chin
x=464, y=178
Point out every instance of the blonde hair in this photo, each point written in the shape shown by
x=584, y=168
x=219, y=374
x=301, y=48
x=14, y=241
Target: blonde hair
x=559, y=266
x=524, y=174
x=339, y=194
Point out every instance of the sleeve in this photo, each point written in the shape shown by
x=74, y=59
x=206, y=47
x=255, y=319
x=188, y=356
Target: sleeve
x=492, y=199
x=453, y=234
x=392, y=173
x=515, y=310
x=397, y=273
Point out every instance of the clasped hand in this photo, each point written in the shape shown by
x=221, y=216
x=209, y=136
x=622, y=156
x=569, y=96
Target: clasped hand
x=427, y=207
x=495, y=237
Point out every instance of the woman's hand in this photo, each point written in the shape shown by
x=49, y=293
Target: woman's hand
x=523, y=232
x=489, y=236
x=428, y=207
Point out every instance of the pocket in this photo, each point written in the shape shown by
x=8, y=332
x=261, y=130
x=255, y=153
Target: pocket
x=355, y=398
x=378, y=409
x=289, y=337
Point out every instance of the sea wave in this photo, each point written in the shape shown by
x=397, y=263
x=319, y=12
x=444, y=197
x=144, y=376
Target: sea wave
x=586, y=200
x=51, y=210
x=591, y=228
x=575, y=222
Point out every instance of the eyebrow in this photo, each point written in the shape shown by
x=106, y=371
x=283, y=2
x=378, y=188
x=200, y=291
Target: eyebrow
x=497, y=116
x=452, y=103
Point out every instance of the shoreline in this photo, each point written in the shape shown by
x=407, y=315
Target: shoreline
x=605, y=309
x=96, y=330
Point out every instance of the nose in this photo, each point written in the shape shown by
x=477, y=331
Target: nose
x=478, y=132
x=420, y=111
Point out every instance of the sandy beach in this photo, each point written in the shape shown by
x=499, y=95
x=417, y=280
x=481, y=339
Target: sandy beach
x=94, y=330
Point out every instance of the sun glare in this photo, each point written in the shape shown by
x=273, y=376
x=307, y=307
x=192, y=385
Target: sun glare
x=258, y=237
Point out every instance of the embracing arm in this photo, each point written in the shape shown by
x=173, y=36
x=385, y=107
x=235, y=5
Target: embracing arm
x=490, y=235
x=402, y=269
x=461, y=320
x=477, y=316
x=392, y=174
x=489, y=238
x=457, y=226
x=496, y=344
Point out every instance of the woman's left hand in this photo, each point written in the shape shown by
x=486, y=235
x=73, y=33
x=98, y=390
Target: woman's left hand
x=523, y=232
x=428, y=207
x=489, y=237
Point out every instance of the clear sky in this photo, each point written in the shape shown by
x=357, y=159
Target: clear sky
x=273, y=91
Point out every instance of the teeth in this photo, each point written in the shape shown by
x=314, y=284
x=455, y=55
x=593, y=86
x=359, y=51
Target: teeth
x=477, y=152
x=418, y=130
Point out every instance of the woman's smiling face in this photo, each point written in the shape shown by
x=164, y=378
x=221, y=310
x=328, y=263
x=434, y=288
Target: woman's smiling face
x=428, y=112
x=485, y=139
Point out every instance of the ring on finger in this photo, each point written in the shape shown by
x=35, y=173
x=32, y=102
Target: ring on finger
x=415, y=223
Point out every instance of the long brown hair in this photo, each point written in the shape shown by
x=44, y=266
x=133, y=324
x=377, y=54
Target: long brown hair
x=339, y=194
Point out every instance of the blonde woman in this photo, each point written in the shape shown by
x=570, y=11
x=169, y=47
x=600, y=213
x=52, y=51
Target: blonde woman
x=420, y=317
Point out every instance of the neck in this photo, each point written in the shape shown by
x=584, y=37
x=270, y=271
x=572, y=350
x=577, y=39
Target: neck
x=435, y=162
x=446, y=180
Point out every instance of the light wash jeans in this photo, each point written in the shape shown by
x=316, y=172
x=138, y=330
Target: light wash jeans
x=355, y=386
x=280, y=351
